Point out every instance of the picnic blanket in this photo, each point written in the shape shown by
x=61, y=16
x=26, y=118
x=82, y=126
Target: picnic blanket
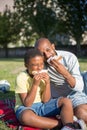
x=7, y=115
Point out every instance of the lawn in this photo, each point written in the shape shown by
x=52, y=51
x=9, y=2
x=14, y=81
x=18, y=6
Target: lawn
x=9, y=68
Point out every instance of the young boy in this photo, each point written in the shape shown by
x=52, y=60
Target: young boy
x=34, y=105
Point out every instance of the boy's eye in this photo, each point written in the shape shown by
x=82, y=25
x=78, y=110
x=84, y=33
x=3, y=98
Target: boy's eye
x=37, y=64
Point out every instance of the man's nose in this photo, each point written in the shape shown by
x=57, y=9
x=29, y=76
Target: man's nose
x=46, y=55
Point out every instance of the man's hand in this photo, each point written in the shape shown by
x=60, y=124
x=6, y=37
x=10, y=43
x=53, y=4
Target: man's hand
x=59, y=67
x=64, y=72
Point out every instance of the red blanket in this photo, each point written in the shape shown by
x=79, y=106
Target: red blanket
x=7, y=115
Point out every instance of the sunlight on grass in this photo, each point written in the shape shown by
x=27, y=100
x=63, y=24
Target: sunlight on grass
x=9, y=68
x=83, y=64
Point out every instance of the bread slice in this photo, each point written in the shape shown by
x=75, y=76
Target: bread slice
x=54, y=57
x=36, y=72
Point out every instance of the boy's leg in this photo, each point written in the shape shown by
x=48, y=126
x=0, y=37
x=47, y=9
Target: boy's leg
x=29, y=118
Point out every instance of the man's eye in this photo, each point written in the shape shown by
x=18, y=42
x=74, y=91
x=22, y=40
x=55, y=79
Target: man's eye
x=47, y=49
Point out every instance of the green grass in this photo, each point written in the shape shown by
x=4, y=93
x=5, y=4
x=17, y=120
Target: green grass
x=83, y=64
x=9, y=68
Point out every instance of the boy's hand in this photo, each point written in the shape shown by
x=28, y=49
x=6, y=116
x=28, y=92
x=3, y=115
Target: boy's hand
x=45, y=77
x=41, y=76
x=36, y=79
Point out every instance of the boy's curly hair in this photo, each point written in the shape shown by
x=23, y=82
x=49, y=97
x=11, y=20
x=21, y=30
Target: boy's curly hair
x=33, y=52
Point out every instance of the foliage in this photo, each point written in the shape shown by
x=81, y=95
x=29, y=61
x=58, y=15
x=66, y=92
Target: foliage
x=37, y=18
x=48, y=18
x=74, y=15
x=4, y=31
x=45, y=18
x=9, y=28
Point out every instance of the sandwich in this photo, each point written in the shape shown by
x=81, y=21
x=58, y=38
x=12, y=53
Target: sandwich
x=54, y=57
x=36, y=72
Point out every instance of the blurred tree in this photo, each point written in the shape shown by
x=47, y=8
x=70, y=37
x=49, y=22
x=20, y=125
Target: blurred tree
x=37, y=18
x=73, y=16
x=9, y=29
x=45, y=18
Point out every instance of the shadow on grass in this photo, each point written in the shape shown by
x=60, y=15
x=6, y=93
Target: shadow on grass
x=11, y=59
x=82, y=59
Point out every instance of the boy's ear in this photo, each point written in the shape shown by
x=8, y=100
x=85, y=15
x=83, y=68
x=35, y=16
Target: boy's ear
x=53, y=46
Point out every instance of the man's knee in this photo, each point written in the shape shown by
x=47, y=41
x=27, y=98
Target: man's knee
x=81, y=111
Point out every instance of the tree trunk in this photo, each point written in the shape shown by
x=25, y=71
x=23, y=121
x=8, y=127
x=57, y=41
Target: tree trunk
x=78, y=49
x=6, y=51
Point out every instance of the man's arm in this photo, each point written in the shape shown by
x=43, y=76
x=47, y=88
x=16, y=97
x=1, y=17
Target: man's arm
x=72, y=74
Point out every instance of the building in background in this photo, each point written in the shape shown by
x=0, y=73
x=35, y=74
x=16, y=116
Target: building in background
x=4, y=3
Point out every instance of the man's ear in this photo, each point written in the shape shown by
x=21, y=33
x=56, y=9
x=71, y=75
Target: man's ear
x=25, y=65
x=53, y=46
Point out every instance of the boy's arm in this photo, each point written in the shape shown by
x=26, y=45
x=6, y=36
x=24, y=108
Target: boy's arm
x=28, y=98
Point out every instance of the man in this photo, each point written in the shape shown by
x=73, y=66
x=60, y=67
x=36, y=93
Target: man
x=66, y=79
